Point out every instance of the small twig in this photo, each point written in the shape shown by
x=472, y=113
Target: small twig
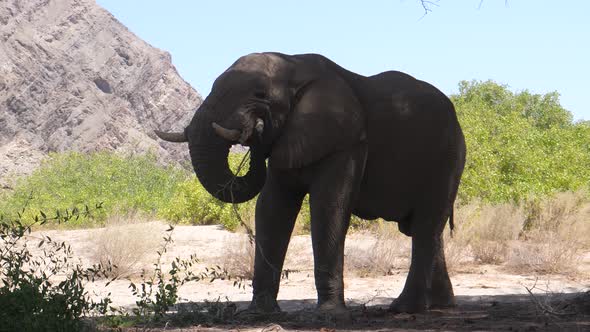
x=544, y=307
x=251, y=235
x=249, y=230
x=234, y=205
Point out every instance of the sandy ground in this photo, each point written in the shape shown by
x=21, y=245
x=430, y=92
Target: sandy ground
x=488, y=297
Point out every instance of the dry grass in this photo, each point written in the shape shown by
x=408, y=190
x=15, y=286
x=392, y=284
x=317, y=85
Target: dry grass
x=457, y=251
x=238, y=258
x=492, y=230
x=126, y=244
x=379, y=250
x=547, y=236
x=386, y=250
x=556, y=234
x=299, y=254
x=563, y=209
x=545, y=252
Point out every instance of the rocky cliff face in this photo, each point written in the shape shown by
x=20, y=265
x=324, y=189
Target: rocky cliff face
x=74, y=78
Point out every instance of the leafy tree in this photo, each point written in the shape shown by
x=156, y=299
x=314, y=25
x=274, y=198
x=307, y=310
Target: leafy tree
x=520, y=145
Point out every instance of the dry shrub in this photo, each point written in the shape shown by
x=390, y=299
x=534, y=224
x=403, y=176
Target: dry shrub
x=556, y=234
x=547, y=237
x=126, y=243
x=490, y=231
x=580, y=225
x=390, y=249
x=299, y=254
x=384, y=251
x=238, y=258
x=358, y=259
x=457, y=244
x=456, y=250
x=544, y=236
x=562, y=208
x=546, y=252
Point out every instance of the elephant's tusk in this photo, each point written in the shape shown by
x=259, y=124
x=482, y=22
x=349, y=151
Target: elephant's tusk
x=171, y=137
x=259, y=126
x=229, y=134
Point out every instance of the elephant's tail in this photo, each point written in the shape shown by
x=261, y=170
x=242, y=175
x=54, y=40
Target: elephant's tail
x=451, y=220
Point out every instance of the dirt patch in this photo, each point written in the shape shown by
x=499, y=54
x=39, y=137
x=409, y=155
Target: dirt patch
x=472, y=313
x=489, y=297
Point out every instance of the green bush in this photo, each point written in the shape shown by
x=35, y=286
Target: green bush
x=121, y=183
x=44, y=289
x=31, y=298
x=520, y=146
x=192, y=204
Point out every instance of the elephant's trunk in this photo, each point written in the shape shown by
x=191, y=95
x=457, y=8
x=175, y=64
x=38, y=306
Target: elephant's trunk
x=209, y=154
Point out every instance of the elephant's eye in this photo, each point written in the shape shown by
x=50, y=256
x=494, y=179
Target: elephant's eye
x=260, y=94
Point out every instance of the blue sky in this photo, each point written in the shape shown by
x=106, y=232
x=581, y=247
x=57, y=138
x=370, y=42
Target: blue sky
x=540, y=45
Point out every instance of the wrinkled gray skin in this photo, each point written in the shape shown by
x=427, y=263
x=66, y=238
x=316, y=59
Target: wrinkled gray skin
x=385, y=146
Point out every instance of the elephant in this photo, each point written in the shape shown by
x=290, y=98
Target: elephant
x=385, y=146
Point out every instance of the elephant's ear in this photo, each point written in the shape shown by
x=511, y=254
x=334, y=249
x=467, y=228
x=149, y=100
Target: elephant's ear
x=326, y=117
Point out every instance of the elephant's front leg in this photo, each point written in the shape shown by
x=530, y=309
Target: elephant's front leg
x=276, y=210
x=333, y=192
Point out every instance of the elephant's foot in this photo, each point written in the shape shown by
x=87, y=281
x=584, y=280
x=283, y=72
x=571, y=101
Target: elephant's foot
x=263, y=304
x=416, y=304
x=442, y=300
x=332, y=307
x=442, y=295
x=409, y=304
x=335, y=311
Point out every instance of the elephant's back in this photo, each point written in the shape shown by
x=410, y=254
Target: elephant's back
x=411, y=127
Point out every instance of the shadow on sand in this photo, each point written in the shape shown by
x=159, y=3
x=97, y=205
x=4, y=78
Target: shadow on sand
x=541, y=312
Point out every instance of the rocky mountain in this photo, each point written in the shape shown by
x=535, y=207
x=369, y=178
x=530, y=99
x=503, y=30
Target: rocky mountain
x=72, y=77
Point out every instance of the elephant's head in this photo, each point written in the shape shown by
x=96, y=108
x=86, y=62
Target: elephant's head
x=238, y=110
x=252, y=103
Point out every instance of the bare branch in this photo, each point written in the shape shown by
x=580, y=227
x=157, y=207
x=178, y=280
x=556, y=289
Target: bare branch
x=251, y=235
x=481, y=3
x=427, y=5
x=544, y=307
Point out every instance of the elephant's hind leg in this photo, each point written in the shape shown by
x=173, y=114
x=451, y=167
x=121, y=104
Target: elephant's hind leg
x=276, y=210
x=428, y=284
x=441, y=292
